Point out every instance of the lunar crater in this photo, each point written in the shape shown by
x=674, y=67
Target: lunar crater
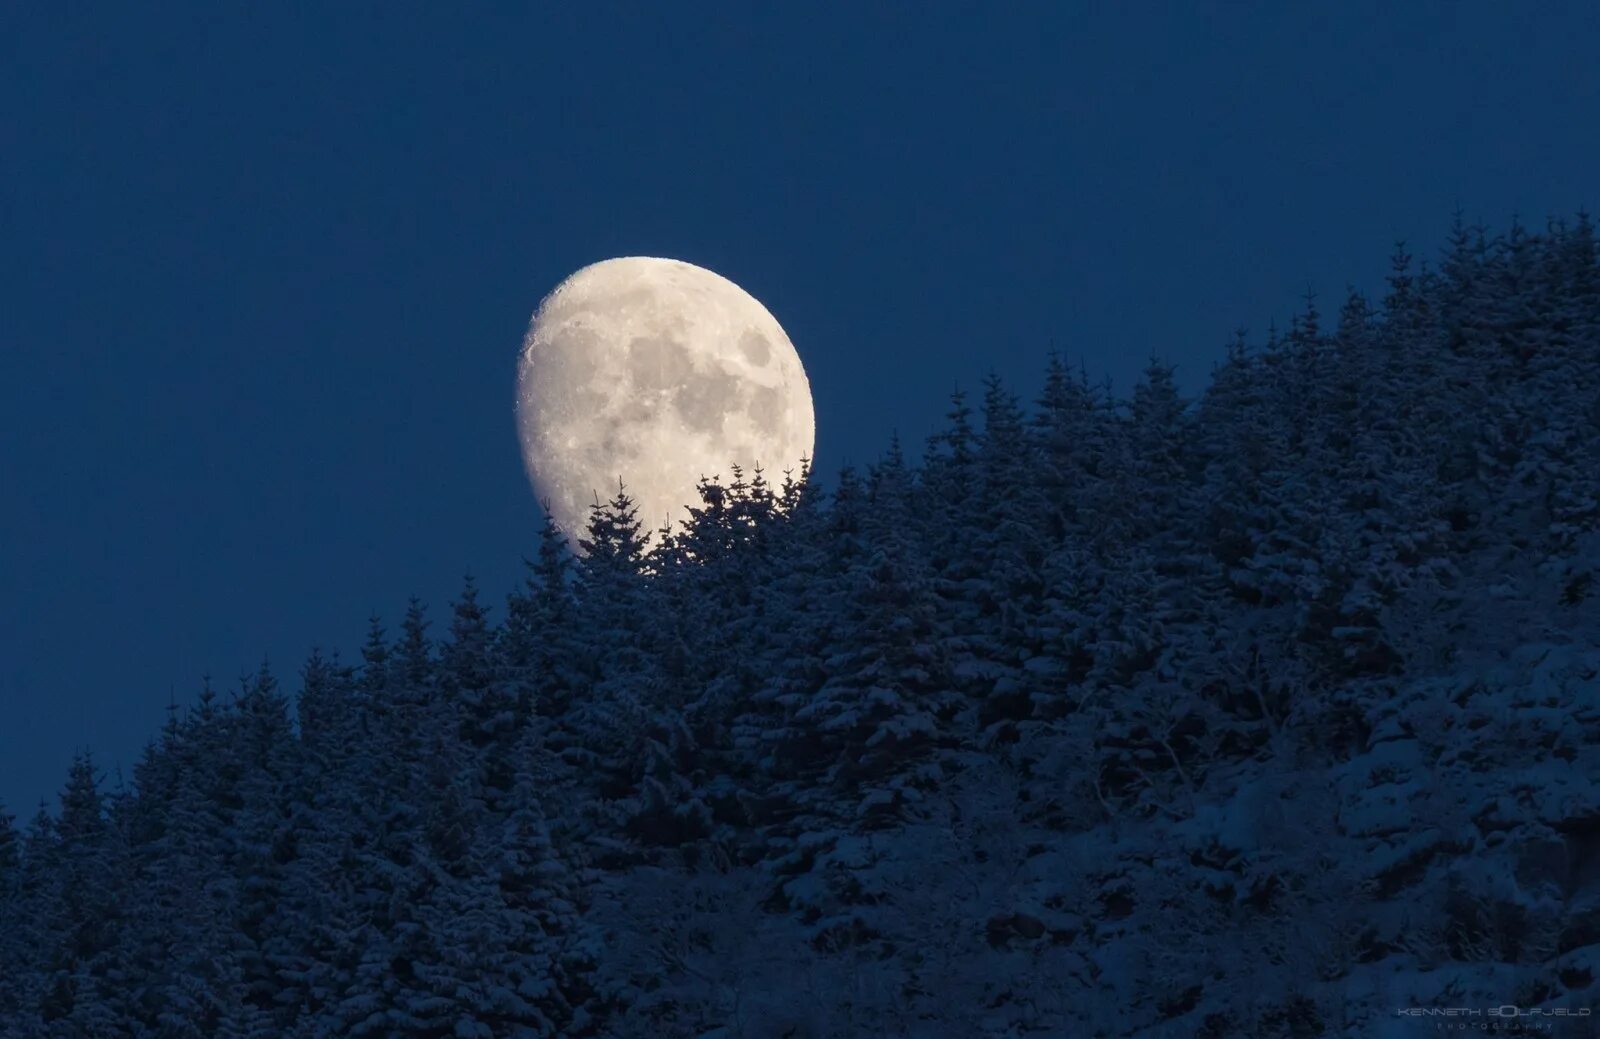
x=755, y=348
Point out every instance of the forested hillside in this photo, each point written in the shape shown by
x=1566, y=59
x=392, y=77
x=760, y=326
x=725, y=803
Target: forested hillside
x=1268, y=713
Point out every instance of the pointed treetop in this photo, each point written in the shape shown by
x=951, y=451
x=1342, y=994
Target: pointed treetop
x=796, y=490
x=206, y=702
x=82, y=808
x=1355, y=315
x=614, y=539
x=553, y=560
x=376, y=649
x=894, y=458
x=1400, y=281
x=470, y=619
x=847, y=495
x=956, y=441
x=1002, y=413
x=415, y=647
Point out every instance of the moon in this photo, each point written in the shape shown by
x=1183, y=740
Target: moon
x=655, y=372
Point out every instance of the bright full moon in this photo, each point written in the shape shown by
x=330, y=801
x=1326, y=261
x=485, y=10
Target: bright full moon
x=656, y=372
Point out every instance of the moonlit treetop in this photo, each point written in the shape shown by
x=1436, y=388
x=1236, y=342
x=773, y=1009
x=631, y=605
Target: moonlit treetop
x=655, y=372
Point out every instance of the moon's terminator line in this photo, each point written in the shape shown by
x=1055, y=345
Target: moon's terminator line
x=655, y=372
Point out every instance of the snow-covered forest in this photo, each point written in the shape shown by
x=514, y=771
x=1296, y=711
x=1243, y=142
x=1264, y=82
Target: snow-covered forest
x=1268, y=713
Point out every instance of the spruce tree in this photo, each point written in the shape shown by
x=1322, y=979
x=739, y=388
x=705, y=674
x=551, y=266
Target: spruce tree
x=483, y=695
x=79, y=870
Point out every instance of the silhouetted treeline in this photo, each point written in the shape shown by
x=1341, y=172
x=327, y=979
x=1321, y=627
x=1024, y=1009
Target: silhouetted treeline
x=1264, y=714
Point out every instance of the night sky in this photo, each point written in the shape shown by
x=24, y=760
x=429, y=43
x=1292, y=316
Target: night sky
x=265, y=275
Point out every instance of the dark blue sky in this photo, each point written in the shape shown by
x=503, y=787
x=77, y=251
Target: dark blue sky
x=265, y=275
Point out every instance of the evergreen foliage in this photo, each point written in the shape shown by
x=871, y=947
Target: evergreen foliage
x=1263, y=713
